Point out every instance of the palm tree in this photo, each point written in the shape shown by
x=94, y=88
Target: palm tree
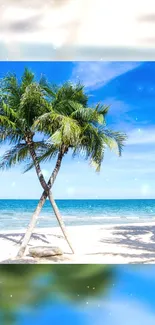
x=20, y=105
x=64, y=118
x=72, y=125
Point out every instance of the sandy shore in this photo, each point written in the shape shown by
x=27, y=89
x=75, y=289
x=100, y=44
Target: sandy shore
x=107, y=244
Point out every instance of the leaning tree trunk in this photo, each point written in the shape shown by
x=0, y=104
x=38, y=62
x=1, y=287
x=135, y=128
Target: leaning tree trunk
x=40, y=205
x=31, y=225
x=48, y=193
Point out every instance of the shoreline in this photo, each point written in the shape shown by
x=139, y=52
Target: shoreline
x=103, y=244
x=112, y=225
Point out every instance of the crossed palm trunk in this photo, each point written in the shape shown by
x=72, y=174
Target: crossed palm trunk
x=47, y=193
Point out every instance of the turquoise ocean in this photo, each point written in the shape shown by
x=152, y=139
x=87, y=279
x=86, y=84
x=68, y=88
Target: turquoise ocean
x=15, y=214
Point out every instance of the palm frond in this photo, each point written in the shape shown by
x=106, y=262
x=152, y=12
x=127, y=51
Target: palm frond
x=68, y=133
x=61, y=113
x=16, y=154
x=26, y=80
x=102, y=109
x=32, y=103
x=9, y=112
x=56, y=138
x=11, y=90
x=88, y=115
x=114, y=140
x=71, y=92
x=10, y=136
x=51, y=152
x=43, y=83
x=48, y=152
x=6, y=122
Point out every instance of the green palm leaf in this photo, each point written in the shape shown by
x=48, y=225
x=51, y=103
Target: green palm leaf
x=26, y=80
x=114, y=140
x=6, y=122
x=15, y=155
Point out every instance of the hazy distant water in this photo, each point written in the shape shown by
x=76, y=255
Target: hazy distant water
x=15, y=214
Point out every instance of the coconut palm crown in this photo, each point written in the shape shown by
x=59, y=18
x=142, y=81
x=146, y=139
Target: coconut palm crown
x=72, y=124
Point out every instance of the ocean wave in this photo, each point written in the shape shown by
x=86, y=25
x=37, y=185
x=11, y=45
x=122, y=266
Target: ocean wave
x=49, y=221
x=132, y=218
x=8, y=213
x=103, y=217
x=75, y=217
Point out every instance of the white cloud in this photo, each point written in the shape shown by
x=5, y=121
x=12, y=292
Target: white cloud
x=141, y=136
x=40, y=24
x=95, y=74
x=141, y=156
x=77, y=25
x=104, y=21
x=114, y=23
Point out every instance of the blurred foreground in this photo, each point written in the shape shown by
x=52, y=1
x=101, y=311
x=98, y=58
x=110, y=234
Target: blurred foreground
x=85, y=294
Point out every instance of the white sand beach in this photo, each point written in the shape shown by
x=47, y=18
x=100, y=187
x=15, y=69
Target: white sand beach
x=112, y=244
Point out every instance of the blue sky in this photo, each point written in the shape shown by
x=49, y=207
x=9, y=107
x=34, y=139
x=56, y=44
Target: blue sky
x=129, y=300
x=129, y=87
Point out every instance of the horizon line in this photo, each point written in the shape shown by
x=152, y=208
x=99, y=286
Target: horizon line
x=95, y=199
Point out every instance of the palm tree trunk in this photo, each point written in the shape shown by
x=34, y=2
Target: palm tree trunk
x=42, y=201
x=31, y=225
